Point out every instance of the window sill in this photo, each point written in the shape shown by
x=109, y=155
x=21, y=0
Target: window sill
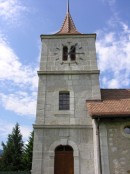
x=63, y=113
x=69, y=62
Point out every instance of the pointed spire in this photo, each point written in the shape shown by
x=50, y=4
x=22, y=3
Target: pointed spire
x=68, y=26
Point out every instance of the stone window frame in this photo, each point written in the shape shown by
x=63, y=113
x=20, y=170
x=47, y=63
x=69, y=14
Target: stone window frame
x=64, y=112
x=52, y=154
x=122, y=129
x=64, y=100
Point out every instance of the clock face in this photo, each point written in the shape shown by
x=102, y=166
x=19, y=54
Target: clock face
x=69, y=52
x=57, y=52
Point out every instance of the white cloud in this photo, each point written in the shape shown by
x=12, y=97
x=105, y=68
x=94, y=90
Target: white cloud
x=12, y=69
x=10, y=10
x=114, y=57
x=22, y=78
x=21, y=104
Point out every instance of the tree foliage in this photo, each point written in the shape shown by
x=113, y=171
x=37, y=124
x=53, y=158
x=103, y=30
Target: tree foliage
x=12, y=151
x=16, y=156
x=28, y=152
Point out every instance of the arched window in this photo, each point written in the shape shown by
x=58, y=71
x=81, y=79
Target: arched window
x=73, y=53
x=65, y=53
x=64, y=100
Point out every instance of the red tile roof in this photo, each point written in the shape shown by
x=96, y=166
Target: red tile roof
x=114, y=102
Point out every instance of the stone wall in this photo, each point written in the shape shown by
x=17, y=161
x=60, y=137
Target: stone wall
x=47, y=139
x=81, y=87
x=52, y=46
x=115, y=146
x=72, y=127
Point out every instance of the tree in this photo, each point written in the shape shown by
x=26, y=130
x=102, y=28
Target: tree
x=12, y=151
x=27, y=155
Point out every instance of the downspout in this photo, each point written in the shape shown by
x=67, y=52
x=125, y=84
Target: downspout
x=98, y=169
x=99, y=147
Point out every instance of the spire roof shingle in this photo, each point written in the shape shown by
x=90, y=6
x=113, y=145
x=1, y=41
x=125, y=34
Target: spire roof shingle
x=68, y=26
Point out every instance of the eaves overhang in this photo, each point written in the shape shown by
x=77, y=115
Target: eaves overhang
x=62, y=36
x=68, y=72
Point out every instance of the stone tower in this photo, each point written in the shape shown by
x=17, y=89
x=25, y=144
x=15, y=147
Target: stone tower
x=68, y=76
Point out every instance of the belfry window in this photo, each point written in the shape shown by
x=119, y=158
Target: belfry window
x=65, y=53
x=64, y=100
x=73, y=53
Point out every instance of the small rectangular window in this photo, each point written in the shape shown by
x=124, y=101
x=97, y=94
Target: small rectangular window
x=64, y=100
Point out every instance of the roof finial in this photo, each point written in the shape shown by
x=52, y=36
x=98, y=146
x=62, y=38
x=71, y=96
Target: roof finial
x=68, y=7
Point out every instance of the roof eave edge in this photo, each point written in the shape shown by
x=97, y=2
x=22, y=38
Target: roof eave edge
x=44, y=36
x=110, y=116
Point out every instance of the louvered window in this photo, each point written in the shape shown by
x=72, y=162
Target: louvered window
x=73, y=53
x=65, y=53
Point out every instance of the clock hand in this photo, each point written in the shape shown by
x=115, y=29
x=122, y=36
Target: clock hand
x=76, y=44
x=81, y=58
x=74, y=53
x=80, y=47
x=55, y=53
x=79, y=53
x=72, y=48
x=58, y=48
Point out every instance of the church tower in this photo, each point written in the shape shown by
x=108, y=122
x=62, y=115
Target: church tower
x=68, y=76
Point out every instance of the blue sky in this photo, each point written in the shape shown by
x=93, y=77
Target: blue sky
x=22, y=22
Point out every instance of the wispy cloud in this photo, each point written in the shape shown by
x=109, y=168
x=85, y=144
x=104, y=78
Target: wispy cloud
x=22, y=104
x=111, y=3
x=12, y=69
x=113, y=51
x=11, y=10
x=5, y=128
x=20, y=95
